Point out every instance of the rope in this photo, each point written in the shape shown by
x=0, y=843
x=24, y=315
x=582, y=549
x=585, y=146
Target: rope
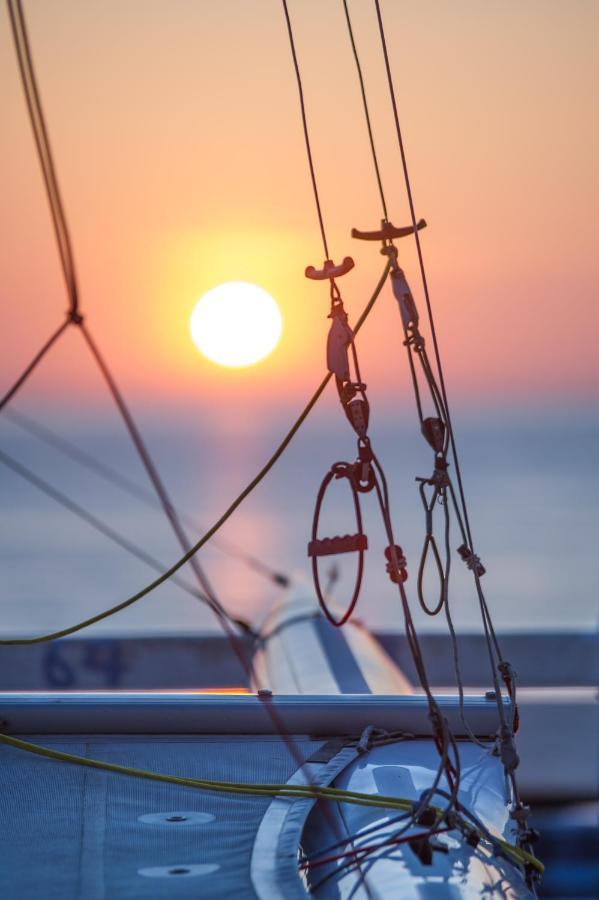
x=93, y=521
x=38, y=124
x=306, y=133
x=486, y=617
x=316, y=792
x=366, y=111
x=33, y=364
x=153, y=475
x=44, y=150
x=498, y=664
x=223, y=518
x=415, y=342
x=133, y=489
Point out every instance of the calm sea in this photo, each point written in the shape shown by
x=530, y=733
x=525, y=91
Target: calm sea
x=531, y=483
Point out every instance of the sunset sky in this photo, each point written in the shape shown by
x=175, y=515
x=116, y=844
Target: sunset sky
x=177, y=138
x=178, y=145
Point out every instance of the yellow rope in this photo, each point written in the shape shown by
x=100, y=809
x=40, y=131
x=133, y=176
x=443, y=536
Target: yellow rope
x=305, y=791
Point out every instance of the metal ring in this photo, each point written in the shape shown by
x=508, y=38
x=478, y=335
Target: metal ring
x=339, y=470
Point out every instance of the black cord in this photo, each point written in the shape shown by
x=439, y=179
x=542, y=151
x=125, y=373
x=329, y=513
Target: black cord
x=366, y=111
x=495, y=656
x=42, y=142
x=275, y=456
x=94, y=522
x=133, y=489
x=306, y=133
x=33, y=364
x=155, y=478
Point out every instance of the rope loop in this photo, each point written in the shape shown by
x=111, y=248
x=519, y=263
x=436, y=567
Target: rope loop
x=430, y=544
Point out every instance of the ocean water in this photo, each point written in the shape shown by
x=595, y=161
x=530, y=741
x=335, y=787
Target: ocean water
x=531, y=482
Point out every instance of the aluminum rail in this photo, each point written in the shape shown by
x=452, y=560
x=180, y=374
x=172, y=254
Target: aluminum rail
x=164, y=712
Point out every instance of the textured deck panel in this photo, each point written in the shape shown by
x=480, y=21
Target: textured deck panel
x=67, y=832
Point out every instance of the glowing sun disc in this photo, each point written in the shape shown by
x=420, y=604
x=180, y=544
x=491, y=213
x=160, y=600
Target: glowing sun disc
x=236, y=324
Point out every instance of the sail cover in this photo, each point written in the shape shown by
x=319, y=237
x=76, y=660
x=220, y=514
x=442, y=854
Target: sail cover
x=69, y=832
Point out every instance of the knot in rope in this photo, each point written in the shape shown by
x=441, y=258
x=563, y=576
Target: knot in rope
x=75, y=317
x=471, y=559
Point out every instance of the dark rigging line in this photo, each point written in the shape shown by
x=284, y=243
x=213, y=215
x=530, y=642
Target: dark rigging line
x=487, y=623
x=94, y=521
x=507, y=751
x=28, y=77
x=439, y=401
x=154, y=477
x=306, y=133
x=366, y=111
x=33, y=364
x=421, y=262
x=441, y=736
x=133, y=489
x=42, y=142
x=38, y=125
x=276, y=455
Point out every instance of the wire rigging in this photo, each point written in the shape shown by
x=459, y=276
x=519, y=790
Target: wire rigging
x=363, y=476
x=74, y=316
x=113, y=476
x=100, y=526
x=373, y=152
x=491, y=638
x=27, y=371
x=439, y=433
x=157, y=481
x=306, y=132
x=44, y=150
x=353, y=399
x=275, y=456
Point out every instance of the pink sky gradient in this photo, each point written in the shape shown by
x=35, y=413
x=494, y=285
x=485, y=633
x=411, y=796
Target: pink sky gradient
x=177, y=140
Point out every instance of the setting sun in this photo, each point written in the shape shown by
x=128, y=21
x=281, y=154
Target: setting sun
x=236, y=324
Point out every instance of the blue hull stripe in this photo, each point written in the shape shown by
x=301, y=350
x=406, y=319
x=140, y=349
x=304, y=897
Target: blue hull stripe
x=342, y=662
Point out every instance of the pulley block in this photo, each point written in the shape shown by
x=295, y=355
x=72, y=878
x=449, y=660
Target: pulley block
x=433, y=431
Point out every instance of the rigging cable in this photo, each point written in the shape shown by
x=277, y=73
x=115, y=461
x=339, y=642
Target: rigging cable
x=439, y=397
x=74, y=316
x=96, y=523
x=38, y=124
x=373, y=152
x=133, y=489
x=508, y=753
x=10, y=393
x=44, y=150
x=486, y=616
x=306, y=132
x=348, y=392
x=275, y=456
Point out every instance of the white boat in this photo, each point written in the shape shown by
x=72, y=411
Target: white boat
x=344, y=717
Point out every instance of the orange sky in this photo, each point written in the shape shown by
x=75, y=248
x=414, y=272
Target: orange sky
x=177, y=139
